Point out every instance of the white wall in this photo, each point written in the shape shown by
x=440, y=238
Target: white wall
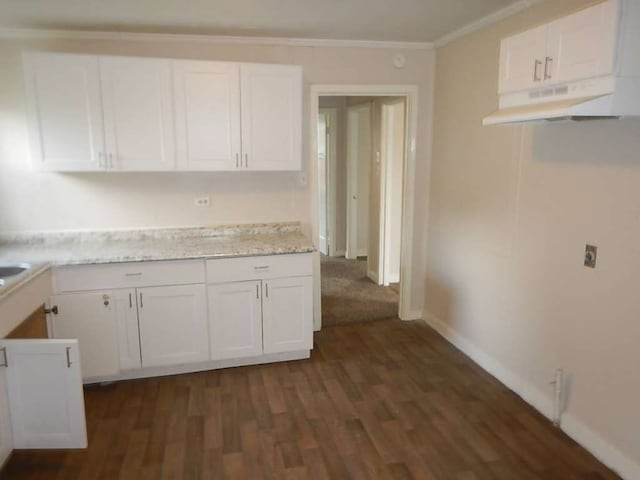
x=43, y=201
x=511, y=210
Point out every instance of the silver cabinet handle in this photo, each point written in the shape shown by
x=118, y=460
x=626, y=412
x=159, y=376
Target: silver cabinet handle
x=141, y=304
x=68, y=357
x=261, y=267
x=246, y=160
x=547, y=61
x=257, y=292
x=110, y=160
x=536, y=64
x=266, y=286
x=130, y=301
x=4, y=354
x=237, y=160
x=133, y=274
x=101, y=160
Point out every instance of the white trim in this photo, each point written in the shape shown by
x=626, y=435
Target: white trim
x=332, y=179
x=408, y=200
x=575, y=428
x=30, y=33
x=485, y=21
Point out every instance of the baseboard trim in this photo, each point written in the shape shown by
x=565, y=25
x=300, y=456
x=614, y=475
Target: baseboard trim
x=573, y=427
x=412, y=315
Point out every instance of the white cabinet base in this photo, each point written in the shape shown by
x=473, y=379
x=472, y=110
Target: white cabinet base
x=208, y=365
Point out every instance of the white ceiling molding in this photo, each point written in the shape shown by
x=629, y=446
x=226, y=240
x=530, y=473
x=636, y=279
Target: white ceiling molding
x=485, y=21
x=27, y=33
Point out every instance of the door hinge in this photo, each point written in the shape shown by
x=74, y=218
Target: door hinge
x=53, y=310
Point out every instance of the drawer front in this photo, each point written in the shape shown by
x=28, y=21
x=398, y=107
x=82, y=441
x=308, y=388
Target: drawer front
x=257, y=268
x=127, y=275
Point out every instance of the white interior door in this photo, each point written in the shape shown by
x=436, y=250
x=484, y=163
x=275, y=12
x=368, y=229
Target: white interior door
x=392, y=159
x=358, y=178
x=6, y=437
x=46, y=400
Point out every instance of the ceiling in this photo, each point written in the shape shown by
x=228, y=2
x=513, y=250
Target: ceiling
x=381, y=20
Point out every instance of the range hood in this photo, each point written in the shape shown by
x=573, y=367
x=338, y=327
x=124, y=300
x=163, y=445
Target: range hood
x=582, y=108
x=606, y=97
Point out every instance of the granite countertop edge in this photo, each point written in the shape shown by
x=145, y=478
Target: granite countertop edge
x=60, y=249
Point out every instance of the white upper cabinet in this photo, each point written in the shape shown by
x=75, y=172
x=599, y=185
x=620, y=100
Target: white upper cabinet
x=522, y=60
x=90, y=112
x=138, y=113
x=207, y=105
x=583, y=45
x=575, y=47
x=65, y=111
x=271, y=101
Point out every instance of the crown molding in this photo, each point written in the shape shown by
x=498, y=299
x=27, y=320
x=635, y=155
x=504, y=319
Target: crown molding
x=27, y=33
x=485, y=21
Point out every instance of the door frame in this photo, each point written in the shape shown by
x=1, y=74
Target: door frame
x=387, y=119
x=410, y=92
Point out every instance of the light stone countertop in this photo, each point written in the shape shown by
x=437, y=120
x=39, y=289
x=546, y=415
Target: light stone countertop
x=78, y=248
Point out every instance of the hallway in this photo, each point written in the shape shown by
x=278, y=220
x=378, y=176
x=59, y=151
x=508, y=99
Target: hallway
x=349, y=296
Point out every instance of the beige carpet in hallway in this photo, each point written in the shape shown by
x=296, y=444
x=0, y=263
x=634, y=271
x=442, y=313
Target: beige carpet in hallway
x=348, y=295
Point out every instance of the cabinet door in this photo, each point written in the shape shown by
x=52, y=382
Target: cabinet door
x=138, y=113
x=583, y=45
x=207, y=104
x=287, y=314
x=65, y=111
x=271, y=99
x=522, y=60
x=46, y=400
x=128, y=334
x=89, y=317
x=173, y=325
x=235, y=320
x=6, y=438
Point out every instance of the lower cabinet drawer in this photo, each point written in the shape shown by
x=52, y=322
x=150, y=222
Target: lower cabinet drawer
x=127, y=275
x=259, y=268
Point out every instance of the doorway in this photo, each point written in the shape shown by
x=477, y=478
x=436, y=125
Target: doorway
x=369, y=223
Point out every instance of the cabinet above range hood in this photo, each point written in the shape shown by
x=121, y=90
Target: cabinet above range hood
x=583, y=66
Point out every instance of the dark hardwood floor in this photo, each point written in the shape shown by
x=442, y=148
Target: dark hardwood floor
x=383, y=399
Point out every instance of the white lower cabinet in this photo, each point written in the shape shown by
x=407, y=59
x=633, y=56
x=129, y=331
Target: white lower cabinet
x=44, y=393
x=266, y=309
x=235, y=320
x=6, y=437
x=91, y=318
x=287, y=314
x=173, y=325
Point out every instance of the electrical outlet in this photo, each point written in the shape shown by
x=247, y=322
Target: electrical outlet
x=202, y=201
x=590, y=255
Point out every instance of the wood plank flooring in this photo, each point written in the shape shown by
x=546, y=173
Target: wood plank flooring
x=382, y=400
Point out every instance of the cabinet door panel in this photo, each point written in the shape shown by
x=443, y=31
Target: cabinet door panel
x=271, y=117
x=207, y=99
x=128, y=333
x=583, y=45
x=89, y=317
x=65, y=111
x=235, y=320
x=45, y=394
x=287, y=314
x=6, y=437
x=522, y=59
x=173, y=325
x=138, y=112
